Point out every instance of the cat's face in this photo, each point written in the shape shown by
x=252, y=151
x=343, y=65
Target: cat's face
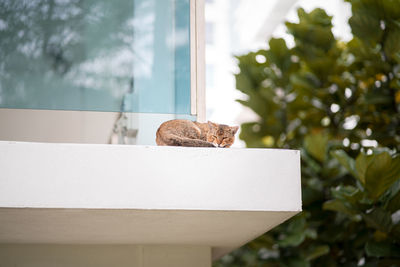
x=221, y=135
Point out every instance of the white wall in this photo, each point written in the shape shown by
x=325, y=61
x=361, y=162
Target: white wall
x=104, y=194
x=103, y=256
x=56, y=126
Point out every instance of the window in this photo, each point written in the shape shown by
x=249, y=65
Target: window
x=210, y=31
x=99, y=55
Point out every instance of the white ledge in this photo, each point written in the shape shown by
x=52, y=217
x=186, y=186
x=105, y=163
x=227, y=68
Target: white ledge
x=111, y=194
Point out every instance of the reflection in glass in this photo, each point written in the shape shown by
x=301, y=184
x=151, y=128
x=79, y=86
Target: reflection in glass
x=100, y=55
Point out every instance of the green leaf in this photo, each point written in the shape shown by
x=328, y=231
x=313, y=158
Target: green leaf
x=375, y=170
x=339, y=206
x=310, y=162
x=381, y=173
x=362, y=162
x=394, y=203
x=295, y=232
x=292, y=240
x=365, y=24
x=351, y=195
x=298, y=262
x=297, y=224
x=391, y=43
x=257, y=102
x=396, y=230
x=243, y=82
x=279, y=54
x=311, y=233
x=316, y=145
x=264, y=241
x=313, y=33
x=379, y=219
x=317, y=252
x=377, y=98
x=391, y=8
x=345, y=161
x=310, y=195
x=317, y=16
x=382, y=249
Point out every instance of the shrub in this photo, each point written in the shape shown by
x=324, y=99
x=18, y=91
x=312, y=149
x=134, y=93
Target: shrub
x=339, y=103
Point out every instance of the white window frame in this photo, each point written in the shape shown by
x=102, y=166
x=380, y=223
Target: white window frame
x=197, y=60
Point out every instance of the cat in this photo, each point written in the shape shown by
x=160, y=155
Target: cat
x=195, y=134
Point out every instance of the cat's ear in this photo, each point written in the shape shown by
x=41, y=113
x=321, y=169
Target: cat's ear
x=210, y=124
x=235, y=129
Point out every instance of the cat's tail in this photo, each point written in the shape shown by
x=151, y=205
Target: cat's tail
x=193, y=142
x=175, y=140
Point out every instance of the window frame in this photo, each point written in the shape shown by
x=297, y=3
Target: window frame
x=197, y=60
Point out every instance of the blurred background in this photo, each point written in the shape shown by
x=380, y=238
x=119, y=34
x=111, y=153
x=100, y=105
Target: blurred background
x=235, y=27
x=322, y=77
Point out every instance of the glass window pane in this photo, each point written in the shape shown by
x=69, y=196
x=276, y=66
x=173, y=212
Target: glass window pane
x=210, y=31
x=100, y=55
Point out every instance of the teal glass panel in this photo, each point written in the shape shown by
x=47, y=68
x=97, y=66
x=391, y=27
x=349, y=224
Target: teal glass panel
x=95, y=55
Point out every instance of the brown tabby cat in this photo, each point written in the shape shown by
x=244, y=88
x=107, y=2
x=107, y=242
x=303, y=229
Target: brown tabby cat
x=189, y=133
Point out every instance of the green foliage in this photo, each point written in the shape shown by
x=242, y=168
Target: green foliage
x=339, y=103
